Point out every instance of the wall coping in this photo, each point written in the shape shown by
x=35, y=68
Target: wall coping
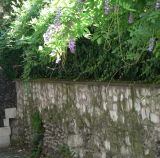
x=103, y=83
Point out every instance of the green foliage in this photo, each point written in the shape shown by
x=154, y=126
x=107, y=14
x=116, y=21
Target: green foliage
x=38, y=134
x=8, y=51
x=108, y=46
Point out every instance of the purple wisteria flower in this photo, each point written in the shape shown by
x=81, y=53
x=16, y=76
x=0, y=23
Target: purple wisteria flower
x=57, y=21
x=157, y=4
x=72, y=45
x=53, y=28
x=151, y=44
x=48, y=34
x=80, y=1
x=106, y=7
x=131, y=18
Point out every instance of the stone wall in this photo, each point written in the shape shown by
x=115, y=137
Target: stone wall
x=7, y=96
x=96, y=120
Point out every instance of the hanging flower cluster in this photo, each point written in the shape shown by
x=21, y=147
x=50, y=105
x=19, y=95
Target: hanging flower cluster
x=48, y=34
x=131, y=18
x=80, y=1
x=53, y=28
x=106, y=7
x=57, y=22
x=158, y=4
x=151, y=44
x=72, y=45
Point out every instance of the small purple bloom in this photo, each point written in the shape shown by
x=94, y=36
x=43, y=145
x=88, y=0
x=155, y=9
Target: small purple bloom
x=72, y=45
x=151, y=44
x=56, y=27
x=106, y=7
x=131, y=18
x=80, y=1
x=157, y=4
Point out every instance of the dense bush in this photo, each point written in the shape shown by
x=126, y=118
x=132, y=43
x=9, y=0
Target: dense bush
x=8, y=57
x=84, y=39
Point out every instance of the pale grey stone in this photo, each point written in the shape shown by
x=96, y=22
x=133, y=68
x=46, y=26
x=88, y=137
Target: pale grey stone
x=137, y=106
x=87, y=122
x=115, y=98
x=143, y=101
x=115, y=107
x=148, y=113
x=124, y=150
x=75, y=141
x=129, y=105
x=6, y=122
x=154, y=118
x=146, y=152
x=10, y=113
x=103, y=154
x=105, y=106
x=127, y=140
x=4, y=141
x=5, y=133
x=98, y=111
x=121, y=97
x=143, y=113
x=122, y=118
x=107, y=145
x=110, y=92
x=113, y=115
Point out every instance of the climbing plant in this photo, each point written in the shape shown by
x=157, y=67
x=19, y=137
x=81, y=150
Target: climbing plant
x=83, y=39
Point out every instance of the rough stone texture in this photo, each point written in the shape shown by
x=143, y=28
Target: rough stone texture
x=7, y=96
x=95, y=120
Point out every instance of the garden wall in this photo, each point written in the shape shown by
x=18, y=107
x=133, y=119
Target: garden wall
x=96, y=120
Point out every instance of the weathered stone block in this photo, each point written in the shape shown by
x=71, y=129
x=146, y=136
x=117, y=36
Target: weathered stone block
x=6, y=122
x=10, y=113
x=75, y=141
x=4, y=141
x=154, y=118
x=5, y=133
